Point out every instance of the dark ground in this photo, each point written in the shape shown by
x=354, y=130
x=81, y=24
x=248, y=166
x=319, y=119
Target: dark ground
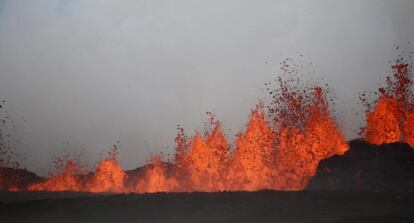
x=262, y=206
x=344, y=179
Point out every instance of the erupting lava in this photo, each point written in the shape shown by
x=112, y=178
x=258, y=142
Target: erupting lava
x=280, y=149
x=392, y=117
x=108, y=177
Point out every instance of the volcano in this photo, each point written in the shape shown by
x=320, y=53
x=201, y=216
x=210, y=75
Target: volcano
x=290, y=164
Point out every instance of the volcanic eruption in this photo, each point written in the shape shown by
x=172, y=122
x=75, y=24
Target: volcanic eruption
x=382, y=160
x=283, y=143
x=391, y=118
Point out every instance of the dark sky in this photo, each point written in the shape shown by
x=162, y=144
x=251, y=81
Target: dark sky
x=85, y=74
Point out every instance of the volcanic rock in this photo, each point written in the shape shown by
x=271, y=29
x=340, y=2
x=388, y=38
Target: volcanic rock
x=387, y=167
x=16, y=179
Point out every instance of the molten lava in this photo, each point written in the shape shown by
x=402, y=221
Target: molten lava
x=108, y=177
x=391, y=119
x=280, y=149
x=66, y=181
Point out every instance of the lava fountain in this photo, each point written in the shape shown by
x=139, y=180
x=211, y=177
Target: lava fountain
x=108, y=177
x=280, y=149
x=391, y=118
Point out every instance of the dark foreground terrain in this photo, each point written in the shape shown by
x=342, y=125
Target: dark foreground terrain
x=262, y=206
x=367, y=167
x=345, y=180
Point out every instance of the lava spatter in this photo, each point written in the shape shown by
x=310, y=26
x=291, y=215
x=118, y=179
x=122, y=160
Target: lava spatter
x=279, y=149
x=391, y=118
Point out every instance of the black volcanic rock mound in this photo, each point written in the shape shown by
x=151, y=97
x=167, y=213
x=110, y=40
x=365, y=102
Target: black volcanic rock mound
x=388, y=167
x=11, y=178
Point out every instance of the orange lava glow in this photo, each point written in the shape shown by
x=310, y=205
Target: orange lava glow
x=274, y=152
x=108, y=177
x=392, y=117
x=279, y=149
x=68, y=180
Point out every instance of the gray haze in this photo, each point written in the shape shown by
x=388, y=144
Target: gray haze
x=85, y=74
